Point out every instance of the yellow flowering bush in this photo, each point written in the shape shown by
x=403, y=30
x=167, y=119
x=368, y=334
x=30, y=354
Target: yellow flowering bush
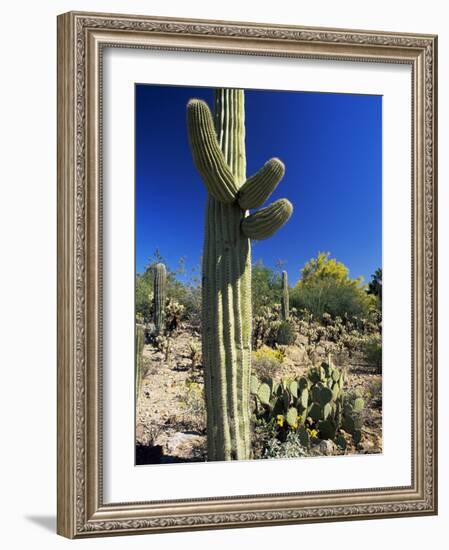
x=266, y=352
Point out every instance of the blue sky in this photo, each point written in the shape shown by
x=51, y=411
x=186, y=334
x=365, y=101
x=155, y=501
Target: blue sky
x=331, y=145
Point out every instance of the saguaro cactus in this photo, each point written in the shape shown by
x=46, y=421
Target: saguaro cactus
x=219, y=155
x=285, y=308
x=140, y=343
x=159, y=296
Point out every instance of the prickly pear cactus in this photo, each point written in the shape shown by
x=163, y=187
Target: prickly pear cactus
x=285, y=308
x=218, y=150
x=159, y=296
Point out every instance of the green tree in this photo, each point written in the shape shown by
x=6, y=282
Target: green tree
x=325, y=287
x=375, y=285
x=266, y=287
x=144, y=290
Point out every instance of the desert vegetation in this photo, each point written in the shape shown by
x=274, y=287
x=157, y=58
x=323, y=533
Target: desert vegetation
x=315, y=386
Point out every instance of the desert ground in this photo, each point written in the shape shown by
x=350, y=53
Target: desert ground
x=171, y=418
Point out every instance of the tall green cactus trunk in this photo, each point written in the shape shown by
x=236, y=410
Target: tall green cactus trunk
x=285, y=302
x=219, y=154
x=159, y=296
x=226, y=336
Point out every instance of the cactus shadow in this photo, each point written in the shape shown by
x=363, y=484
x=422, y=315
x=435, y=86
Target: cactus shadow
x=182, y=368
x=153, y=454
x=364, y=369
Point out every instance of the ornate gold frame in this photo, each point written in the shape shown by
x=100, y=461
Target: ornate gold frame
x=81, y=37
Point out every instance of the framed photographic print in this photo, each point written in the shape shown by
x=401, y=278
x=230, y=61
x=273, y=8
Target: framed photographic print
x=246, y=274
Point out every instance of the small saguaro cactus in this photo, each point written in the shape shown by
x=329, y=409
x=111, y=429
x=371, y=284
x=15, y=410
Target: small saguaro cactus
x=285, y=309
x=159, y=296
x=140, y=343
x=219, y=155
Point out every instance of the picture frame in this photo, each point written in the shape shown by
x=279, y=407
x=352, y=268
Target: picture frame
x=82, y=41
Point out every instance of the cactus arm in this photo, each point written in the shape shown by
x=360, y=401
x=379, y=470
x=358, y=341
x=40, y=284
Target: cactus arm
x=207, y=155
x=256, y=189
x=267, y=221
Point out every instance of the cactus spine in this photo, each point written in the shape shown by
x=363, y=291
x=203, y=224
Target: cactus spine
x=219, y=154
x=159, y=296
x=285, y=309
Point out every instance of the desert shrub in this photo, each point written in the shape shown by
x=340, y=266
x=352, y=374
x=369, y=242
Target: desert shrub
x=373, y=323
x=344, y=337
x=292, y=447
x=374, y=394
x=163, y=344
x=266, y=362
x=173, y=320
x=261, y=328
x=265, y=326
x=144, y=293
x=352, y=342
x=174, y=314
x=266, y=287
x=189, y=296
x=265, y=431
x=191, y=300
x=193, y=405
x=333, y=298
x=265, y=368
x=195, y=354
x=286, y=333
x=372, y=351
